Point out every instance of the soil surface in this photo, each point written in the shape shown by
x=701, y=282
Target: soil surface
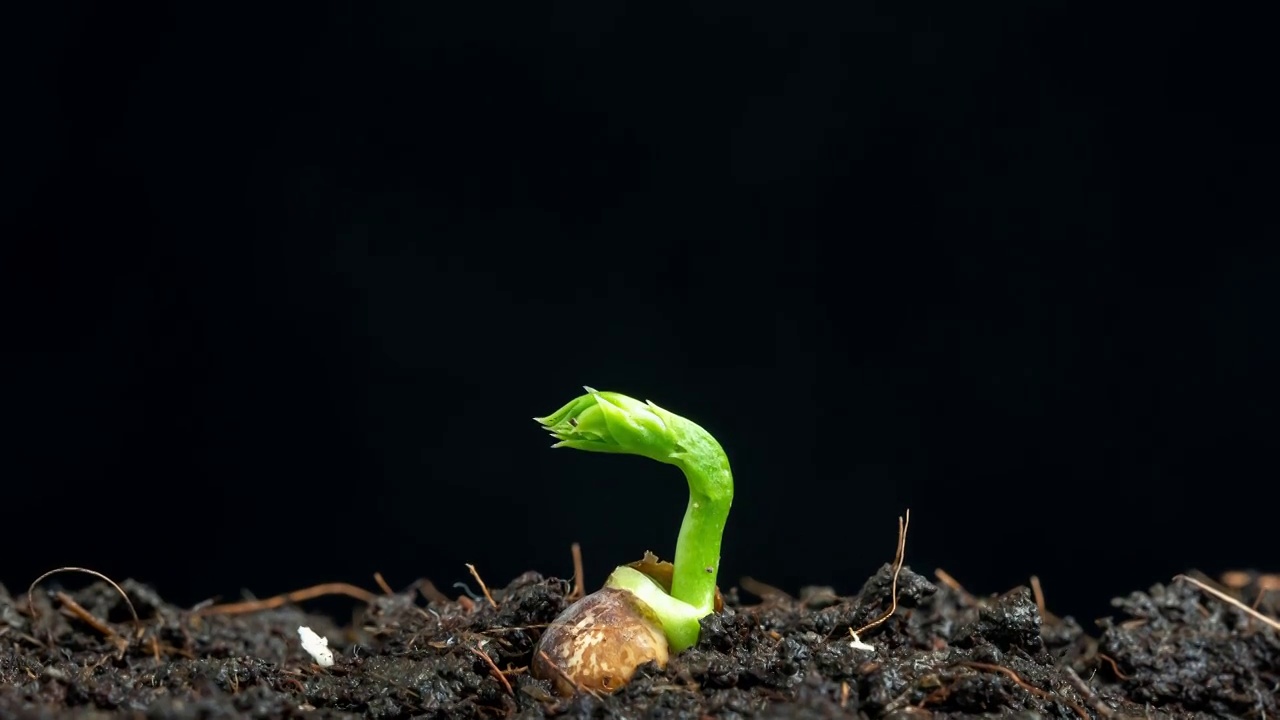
x=1172, y=651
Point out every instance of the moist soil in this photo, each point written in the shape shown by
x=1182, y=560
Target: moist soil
x=1171, y=651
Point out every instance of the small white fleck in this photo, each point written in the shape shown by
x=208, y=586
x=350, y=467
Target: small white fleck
x=857, y=643
x=317, y=647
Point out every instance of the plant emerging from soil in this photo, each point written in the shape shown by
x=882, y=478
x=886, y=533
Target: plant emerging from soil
x=637, y=597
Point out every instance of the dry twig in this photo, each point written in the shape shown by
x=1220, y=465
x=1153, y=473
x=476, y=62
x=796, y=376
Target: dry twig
x=484, y=588
x=493, y=669
x=898, y=558
x=1038, y=592
x=579, y=579
x=764, y=590
x=271, y=603
x=430, y=592
x=1273, y=623
x=946, y=579
x=1039, y=596
x=1239, y=579
x=76, y=610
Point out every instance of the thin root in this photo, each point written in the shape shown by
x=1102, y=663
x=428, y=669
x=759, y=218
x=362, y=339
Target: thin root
x=382, y=584
x=484, y=588
x=271, y=603
x=493, y=670
x=1273, y=623
x=1017, y=679
x=898, y=558
x=1115, y=667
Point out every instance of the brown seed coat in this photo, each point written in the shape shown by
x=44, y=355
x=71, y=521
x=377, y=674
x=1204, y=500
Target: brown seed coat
x=597, y=643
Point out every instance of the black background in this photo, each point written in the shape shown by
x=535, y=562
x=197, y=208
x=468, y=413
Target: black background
x=284, y=287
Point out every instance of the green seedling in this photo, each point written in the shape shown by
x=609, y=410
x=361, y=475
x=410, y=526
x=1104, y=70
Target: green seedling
x=610, y=422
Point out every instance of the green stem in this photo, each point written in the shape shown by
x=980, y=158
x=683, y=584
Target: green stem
x=697, y=558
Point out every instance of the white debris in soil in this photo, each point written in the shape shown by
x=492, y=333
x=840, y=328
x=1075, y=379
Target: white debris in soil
x=857, y=643
x=317, y=647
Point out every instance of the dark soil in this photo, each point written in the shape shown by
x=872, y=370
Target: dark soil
x=1174, y=652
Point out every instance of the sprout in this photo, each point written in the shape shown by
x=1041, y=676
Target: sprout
x=614, y=423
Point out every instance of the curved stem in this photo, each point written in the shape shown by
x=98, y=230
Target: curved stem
x=697, y=558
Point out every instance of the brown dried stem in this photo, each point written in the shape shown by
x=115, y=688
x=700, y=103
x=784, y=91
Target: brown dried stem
x=76, y=610
x=579, y=579
x=484, y=588
x=1272, y=622
x=493, y=670
x=31, y=603
x=271, y=603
